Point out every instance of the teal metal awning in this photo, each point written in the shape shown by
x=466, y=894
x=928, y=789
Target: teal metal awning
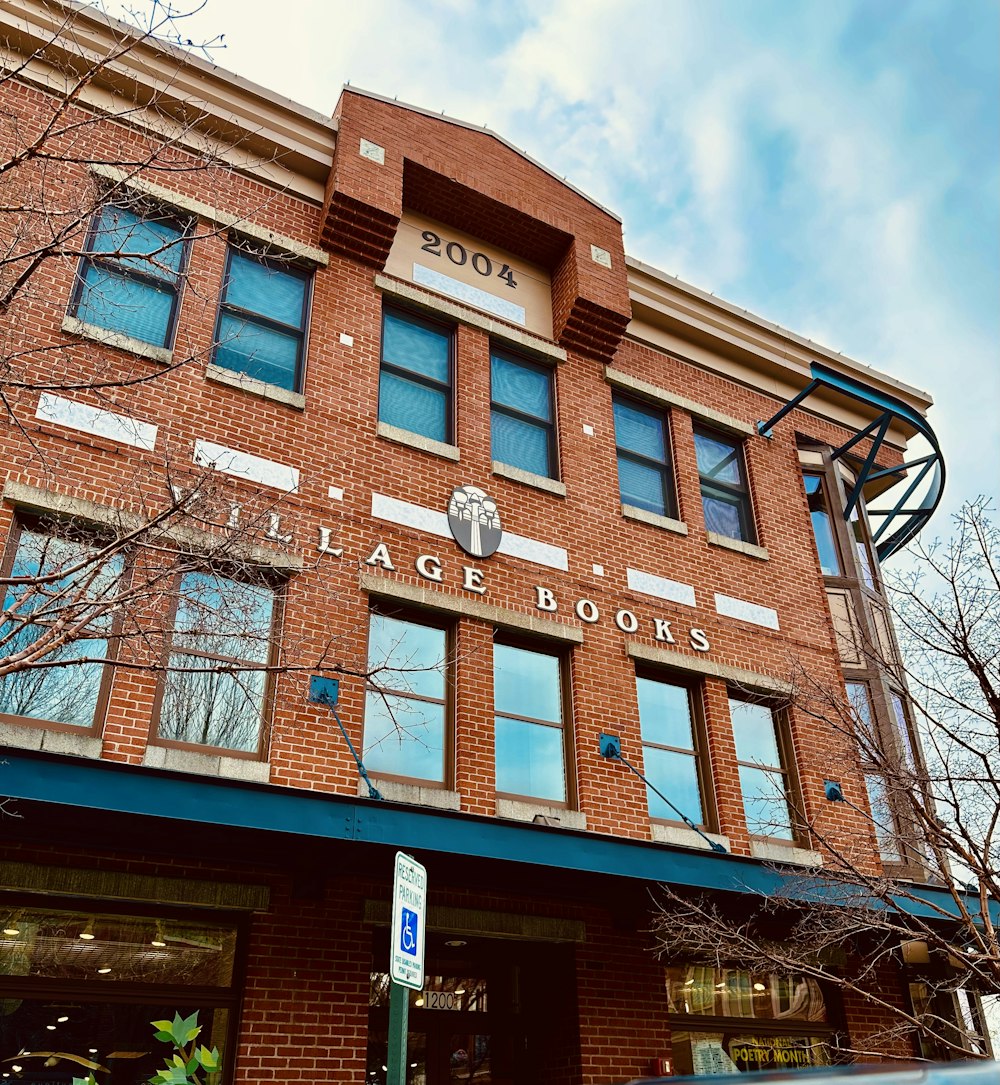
x=112, y=787
x=904, y=520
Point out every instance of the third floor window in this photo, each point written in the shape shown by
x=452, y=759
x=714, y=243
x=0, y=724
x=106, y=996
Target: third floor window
x=415, y=381
x=642, y=440
x=522, y=414
x=262, y=319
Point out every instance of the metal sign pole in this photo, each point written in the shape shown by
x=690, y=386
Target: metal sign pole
x=399, y=1014
x=406, y=956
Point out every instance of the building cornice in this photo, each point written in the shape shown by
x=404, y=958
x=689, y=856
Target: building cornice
x=179, y=94
x=783, y=359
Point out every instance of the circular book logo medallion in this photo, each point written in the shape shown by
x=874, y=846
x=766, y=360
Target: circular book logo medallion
x=474, y=521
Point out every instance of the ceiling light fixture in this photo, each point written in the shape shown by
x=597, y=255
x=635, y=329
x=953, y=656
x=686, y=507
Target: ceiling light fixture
x=759, y=987
x=11, y=932
x=62, y=1020
x=103, y=971
x=456, y=943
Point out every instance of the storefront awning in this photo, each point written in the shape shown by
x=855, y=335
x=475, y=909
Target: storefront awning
x=129, y=789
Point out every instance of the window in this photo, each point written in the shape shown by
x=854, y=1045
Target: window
x=406, y=703
x=216, y=680
x=763, y=773
x=643, y=443
x=416, y=375
x=66, y=580
x=822, y=524
x=522, y=414
x=529, y=711
x=262, y=319
x=724, y=492
x=130, y=278
x=729, y=1021
x=669, y=748
x=867, y=563
x=86, y=981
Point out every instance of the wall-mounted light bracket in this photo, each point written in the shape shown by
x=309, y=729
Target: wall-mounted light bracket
x=610, y=745
x=832, y=790
x=325, y=691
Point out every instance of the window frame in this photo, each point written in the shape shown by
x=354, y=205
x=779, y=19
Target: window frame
x=665, y=467
x=143, y=208
x=786, y=754
x=273, y=262
x=277, y=585
x=562, y=655
x=25, y=521
x=504, y=353
x=741, y=493
x=699, y=734
x=429, y=620
x=440, y=326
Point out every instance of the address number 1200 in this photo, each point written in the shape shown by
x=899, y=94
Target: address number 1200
x=460, y=255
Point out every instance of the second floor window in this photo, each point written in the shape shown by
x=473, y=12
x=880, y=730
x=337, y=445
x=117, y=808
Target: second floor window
x=406, y=702
x=528, y=705
x=214, y=690
x=724, y=491
x=130, y=277
x=763, y=769
x=415, y=380
x=263, y=316
x=55, y=582
x=645, y=480
x=522, y=415
x=670, y=749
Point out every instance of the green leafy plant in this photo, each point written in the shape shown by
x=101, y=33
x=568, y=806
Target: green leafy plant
x=190, y=1062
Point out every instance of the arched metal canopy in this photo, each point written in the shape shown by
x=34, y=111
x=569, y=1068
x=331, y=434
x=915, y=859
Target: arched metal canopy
x=900, y=523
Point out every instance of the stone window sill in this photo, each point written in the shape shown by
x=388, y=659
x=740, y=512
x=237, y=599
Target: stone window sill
x=520, y=810
x=414, y=794
x=106, y=338
x=207, y=764
x=785, y=853
x=528, y=478
x=38, y=737
x=255, y=387
x=750, y=549
x=630, y=512
x=415, y=440
x=682, y=837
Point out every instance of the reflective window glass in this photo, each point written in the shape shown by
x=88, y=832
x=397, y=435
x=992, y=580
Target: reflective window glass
x=724, y=492
x=644, y=474
x=84, y=591
x=405, y=704
x=530, y=757
x=522, y=415
x=129, y=280
x=819, y=513
x=415, y=376
x=763, y=776
x=215, y=684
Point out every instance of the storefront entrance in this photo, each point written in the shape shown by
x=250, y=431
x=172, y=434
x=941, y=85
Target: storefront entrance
x=491, y=1012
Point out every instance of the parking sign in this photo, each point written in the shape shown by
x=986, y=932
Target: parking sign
x=409, y=897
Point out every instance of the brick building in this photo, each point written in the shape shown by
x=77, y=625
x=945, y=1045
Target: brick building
x=412, y=419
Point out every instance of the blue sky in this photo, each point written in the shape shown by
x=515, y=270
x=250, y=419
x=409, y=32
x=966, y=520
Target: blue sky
x=831, y=166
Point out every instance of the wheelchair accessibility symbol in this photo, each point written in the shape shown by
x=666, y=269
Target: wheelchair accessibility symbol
x=408, y=930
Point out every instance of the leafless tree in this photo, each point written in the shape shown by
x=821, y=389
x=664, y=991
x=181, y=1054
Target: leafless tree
x=173, y=572
x=935, y=813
